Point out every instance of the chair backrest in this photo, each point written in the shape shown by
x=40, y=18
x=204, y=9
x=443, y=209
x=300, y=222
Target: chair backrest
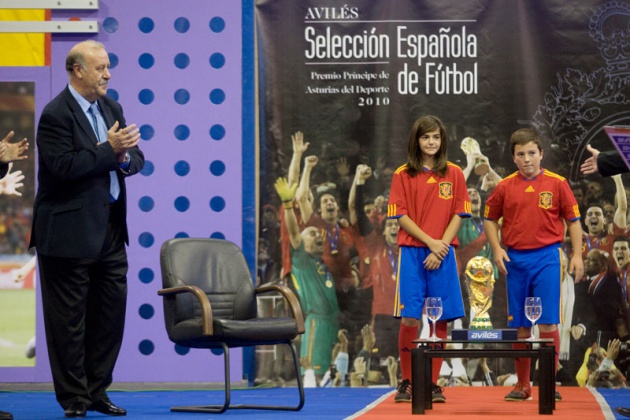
x=217, y=267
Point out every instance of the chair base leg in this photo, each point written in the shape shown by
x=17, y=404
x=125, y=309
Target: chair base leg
x=198, y=409
x=226, y=405
x=217, y=409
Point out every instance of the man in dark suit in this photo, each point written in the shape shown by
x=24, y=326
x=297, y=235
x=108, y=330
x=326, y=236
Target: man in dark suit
x=599, y=311
x=86, y=151
x=606, y=163
x=8, y=153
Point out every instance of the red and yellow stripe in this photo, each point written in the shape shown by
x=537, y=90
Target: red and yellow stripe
x=29, y=49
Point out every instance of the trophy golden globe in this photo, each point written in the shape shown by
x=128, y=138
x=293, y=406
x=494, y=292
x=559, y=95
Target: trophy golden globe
x=471, y=146
x=480, y=282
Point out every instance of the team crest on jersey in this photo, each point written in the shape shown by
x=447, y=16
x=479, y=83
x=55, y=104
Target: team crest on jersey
x=446, y=190
x=545, y=200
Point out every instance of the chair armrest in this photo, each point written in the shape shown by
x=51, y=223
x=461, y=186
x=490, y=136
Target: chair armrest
x=291, y=298
x=206, y=308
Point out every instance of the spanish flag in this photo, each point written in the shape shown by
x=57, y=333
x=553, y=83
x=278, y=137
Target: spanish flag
x=29, y=50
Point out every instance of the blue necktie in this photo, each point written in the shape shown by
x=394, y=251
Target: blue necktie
x=101, y=136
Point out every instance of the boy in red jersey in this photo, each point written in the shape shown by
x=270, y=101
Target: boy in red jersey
x=534, y=204
x=428, y=197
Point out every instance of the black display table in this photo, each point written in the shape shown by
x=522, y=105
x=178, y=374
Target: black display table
x=426, y=350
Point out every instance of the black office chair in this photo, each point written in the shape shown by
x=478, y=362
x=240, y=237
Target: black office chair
x=210, y=303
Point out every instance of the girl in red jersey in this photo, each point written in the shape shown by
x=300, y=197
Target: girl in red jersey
x=428, y=197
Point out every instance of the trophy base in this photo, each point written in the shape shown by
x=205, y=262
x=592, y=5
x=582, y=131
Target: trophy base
x=484, y=335
x=482, y=323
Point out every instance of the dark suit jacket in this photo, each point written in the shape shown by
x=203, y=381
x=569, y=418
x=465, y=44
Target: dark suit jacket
x=601, y=311
x=72, y=205
x=611, y=163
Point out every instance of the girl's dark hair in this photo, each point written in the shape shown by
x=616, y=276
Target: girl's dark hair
x=422, y=126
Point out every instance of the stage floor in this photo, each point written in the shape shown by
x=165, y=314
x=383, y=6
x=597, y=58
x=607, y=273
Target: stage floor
x=329, y=403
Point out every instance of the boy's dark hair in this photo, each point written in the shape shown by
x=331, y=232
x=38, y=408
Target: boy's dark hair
x=524, y=136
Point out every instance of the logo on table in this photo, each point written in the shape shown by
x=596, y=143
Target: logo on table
x=484, y=335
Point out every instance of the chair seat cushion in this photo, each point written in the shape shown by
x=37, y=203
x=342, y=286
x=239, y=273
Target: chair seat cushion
x=235, y=333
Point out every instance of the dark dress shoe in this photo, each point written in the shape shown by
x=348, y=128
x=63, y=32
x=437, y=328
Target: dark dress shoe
x=76, y=409
x=623, y=411
x=107, y=407
x=5, y=415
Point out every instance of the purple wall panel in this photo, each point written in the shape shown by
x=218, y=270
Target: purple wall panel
x=177, y=73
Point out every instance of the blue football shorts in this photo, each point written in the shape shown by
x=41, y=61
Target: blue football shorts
x=415, y=283
x=536, y=272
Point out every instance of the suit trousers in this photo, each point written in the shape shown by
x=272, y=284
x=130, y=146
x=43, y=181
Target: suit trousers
x=84, y=303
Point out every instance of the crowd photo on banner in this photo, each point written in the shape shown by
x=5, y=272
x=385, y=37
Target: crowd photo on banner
x=329, y=163
x=17, y=262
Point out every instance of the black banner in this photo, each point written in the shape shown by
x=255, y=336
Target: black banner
x=354, y=76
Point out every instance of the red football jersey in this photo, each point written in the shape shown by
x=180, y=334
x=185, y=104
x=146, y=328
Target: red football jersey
x=429, y=200
x=338, y=245
x=381, y=262
x=532, y=209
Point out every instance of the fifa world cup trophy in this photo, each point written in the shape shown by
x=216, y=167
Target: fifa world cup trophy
x=471, y=146
x=480, y=282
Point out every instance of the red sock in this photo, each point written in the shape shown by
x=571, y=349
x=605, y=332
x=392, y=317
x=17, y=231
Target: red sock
x=522, y=365
x=436, y=363
x=405, y=338
x=555, y=335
